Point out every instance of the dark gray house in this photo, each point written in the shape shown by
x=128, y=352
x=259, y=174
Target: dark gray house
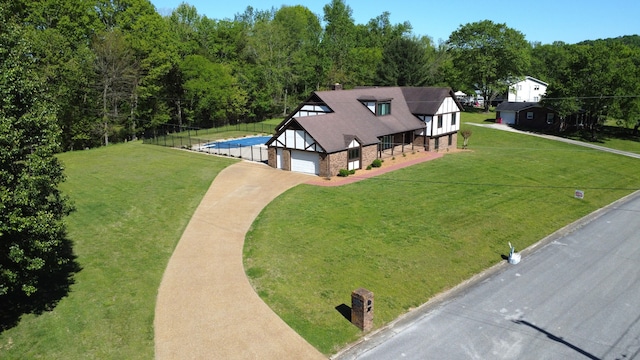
x=530, y=115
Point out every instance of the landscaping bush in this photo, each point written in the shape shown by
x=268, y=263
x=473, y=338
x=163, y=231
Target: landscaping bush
x=343, y=173
x=376, y=163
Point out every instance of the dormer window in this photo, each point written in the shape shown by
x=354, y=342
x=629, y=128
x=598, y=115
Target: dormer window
x=383, y=108
x=379, y=107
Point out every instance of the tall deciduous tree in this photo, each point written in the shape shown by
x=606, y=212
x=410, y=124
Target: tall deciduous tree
x=596, y=80
x=147, y=34
x=366, y=57
x=626, y=104
x=117, y=78
x=35, y=257
x=211, y=91
x=554, y=64
x=59, y=32
x=488, y=56
x=404, y=63
x=338, y=39
x=302, y=33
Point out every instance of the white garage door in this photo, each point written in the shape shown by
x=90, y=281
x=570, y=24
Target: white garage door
x=305, y=162
x=508, y=118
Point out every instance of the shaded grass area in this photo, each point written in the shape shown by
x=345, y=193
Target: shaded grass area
x=412, y=233
x=614, y=137
x=133, y=202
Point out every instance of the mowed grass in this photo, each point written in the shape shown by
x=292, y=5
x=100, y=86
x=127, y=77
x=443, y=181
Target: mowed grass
x=413, y=233
x=133, y=202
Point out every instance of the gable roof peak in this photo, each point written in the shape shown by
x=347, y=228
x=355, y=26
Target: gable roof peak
x=536, y=80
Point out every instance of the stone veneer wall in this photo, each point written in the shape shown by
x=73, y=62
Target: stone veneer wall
x=369, y=153
x=337, y=161
x=418, y=142
x=444, y=143
x=325, y=170
x=272, y=157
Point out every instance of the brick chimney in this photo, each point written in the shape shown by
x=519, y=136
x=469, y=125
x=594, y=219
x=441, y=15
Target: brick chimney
x=336, y=86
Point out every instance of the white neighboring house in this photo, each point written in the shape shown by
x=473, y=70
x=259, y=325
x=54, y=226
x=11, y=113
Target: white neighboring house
x=528, y=90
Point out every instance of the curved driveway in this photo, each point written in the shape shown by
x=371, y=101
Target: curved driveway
x=206, y=307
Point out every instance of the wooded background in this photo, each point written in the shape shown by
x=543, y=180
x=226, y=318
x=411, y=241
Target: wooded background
x=118, y=67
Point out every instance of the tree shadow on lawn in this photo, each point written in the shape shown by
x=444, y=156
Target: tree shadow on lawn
x=53, y=287
x=600, y=136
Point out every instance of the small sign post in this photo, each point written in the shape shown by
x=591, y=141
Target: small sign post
x=579, y=194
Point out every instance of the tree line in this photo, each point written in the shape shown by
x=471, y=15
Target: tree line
x=118, y=67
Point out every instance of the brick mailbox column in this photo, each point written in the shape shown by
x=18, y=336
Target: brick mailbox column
x=362, y=309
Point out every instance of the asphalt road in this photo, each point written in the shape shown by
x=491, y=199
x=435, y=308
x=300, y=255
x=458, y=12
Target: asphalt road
x=576, y=296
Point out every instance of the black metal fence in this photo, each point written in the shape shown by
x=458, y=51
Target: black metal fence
x=249, y=152
x=196, y=139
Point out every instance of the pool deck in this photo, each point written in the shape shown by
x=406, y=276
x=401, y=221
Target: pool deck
x=237, y=142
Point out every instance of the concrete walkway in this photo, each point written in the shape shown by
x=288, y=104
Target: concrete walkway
x=206, y=307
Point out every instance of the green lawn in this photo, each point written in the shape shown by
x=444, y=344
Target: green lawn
x=606, y=139
x=413, y=233
x=133, y=202
x=611, y=135
x=274, y=121
x=406, y=235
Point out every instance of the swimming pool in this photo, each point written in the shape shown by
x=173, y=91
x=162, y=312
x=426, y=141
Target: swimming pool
x=248, y=141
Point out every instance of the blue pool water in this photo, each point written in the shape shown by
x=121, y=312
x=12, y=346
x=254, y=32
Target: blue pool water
x=249, y=141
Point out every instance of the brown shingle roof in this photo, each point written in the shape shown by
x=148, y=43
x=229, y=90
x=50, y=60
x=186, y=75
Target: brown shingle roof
x=351, y=118
x=516, y=106
x=426, y=100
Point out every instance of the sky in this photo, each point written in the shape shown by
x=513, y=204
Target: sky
x=544, y=21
